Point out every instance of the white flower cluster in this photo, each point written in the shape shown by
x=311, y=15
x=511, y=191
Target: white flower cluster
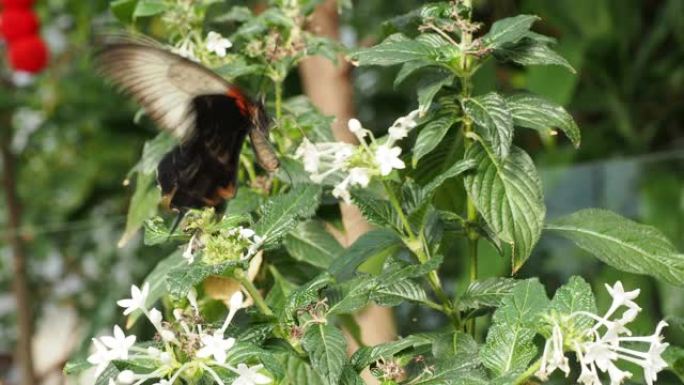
x=237, y=240
x=600, y=347
x=348, y=166
x=214, y=43
x=203, y=350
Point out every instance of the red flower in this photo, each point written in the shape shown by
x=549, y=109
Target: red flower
x=28, y=54
x=18, y=23
x=14, y=4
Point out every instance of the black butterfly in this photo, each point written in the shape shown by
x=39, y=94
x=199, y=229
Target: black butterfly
x=209, y=116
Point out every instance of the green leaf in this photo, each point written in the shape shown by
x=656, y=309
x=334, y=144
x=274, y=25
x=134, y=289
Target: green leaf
x=153, y=152
x=489, y=292
x=369, y=354
x=372, y=244
x=298, y=371
x=146, y=8
x=123, y=10
x=396, y=49
x=238, y=67
x=537, y=113
x=143, y=205
x=431, y=135
x=462, y=370
x=455, y=170
x=235, y=14
x=509, y=347
x=157, y=281
x=409, y=68
x=574, y=296
x=75, y=366
x=306, y=294
x=623, y=244
x=350, y=377
x=429, y=88
x=377, y=211
x=243, y=352
x=282, y=212
x=311, y=243
x=351, y=295
x=493, y=120
x=674, y=356
x=530, y=52
x=508, y=30
x=327, y=350
x=181, y=279
x=509, y=196
x=280, y=291
x=394, y=293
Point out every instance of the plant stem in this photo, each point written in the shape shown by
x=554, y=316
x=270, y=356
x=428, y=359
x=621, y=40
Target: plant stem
x=278, y=100
x=471, y=211
x=400, y=211
x=528, y=373
x=20, y=282
x=253, y=292
x=419, y=247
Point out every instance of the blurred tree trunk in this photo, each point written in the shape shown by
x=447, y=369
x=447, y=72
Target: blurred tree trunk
x=20, y=283
x=330, y=88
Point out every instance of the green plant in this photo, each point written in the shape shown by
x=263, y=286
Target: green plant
x=454, y=140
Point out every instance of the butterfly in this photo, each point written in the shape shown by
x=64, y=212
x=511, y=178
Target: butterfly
x=209, y=116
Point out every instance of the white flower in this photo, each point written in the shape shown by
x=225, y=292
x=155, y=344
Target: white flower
x=250, y=376
x=236, y=302
x=246, y=233
x=554, y=355
x=402, y=126
x=387, y=158
x=126, y=377
x=601, y=352
x=359, y=176
x=101, y=358
x=137, y=300
x=118, y=344
x=192, y=298
x=215, y=345
x=217, y=44
x=397, y=132
x=155, y=318
x=622, y=297
x=341, y=191
x=167, y=335
x=356, y=128
x=308, y=152
x=616, y=375
x=186, y=49
x=189, y=253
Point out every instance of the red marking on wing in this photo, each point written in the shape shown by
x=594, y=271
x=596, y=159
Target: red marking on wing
x=240, y=100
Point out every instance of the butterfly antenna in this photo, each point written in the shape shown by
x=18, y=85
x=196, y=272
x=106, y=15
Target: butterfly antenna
x=176, y=223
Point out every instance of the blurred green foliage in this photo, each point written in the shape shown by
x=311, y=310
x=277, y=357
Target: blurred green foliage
x=628, y=99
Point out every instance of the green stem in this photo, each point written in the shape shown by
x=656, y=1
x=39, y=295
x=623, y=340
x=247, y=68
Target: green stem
x=419, y=247
x=278, y=100
x=400, y=211
x=253, y=292
x=471, y=211
x=528, y=373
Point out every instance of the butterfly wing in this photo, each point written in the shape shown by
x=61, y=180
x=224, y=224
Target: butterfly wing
x=202, y=171
x=163, y=83
x=209, y=116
